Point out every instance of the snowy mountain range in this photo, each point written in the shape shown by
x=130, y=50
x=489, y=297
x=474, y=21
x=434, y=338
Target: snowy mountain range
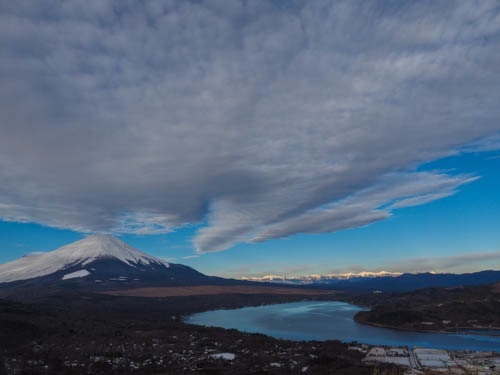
x=322, y=279
x=103, y=262
x=387, y=281
x=97, y=259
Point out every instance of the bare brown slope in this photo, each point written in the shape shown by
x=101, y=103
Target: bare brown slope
x=496, y=288
x=160, y=292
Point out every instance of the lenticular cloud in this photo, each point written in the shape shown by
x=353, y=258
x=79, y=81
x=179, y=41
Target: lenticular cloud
x=259, y=121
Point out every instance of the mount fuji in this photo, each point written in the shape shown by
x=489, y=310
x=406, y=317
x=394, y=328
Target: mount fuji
x=98, y=261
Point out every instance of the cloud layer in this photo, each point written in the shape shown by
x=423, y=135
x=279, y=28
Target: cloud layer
x=260, y=120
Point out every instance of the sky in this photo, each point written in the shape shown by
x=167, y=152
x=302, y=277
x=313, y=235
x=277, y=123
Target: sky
x=248, y=138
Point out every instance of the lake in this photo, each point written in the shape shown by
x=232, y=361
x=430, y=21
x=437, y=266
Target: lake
x=333, y=321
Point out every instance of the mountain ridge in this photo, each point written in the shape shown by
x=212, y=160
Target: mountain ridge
x=103, y=262
x=401, y=282
x=93, y=264
x=82, y=252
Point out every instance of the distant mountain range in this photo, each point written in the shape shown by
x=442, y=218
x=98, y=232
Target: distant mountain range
x=102, y=262
x=389, y=282
x=408, y=282
x=321, y=279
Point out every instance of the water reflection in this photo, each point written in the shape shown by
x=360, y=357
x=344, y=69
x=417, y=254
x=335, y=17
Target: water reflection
x=333, y=320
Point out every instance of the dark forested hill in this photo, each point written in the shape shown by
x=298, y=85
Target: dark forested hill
x=438, y=309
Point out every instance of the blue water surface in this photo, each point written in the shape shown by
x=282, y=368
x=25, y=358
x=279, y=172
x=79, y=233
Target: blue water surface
x=334, y=321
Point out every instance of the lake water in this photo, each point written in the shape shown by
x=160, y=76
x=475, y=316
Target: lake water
x=333, y=321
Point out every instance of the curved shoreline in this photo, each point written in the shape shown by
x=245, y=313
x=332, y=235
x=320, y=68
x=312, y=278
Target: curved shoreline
x=357, y=320
x=398, y=337
x=300, y=298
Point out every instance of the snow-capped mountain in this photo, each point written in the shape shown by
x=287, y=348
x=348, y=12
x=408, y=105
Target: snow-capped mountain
x=387, y=281
x=323, y=279
x=83, y=252
x=97, y=259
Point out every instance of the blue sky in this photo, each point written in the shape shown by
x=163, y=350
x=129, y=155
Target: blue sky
x=249, y=138
x=455, y=234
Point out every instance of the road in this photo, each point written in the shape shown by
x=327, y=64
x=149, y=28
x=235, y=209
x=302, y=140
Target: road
x=414, y=363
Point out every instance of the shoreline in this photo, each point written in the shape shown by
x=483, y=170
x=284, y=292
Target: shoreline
x=380, y=325
x=305, y=298
x=312, y=298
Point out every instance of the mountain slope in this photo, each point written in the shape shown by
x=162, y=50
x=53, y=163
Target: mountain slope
x=82, y=253
x=438, y=309
x=97, y=261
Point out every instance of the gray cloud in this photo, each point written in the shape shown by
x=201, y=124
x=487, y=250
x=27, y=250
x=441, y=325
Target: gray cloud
x=261, y=120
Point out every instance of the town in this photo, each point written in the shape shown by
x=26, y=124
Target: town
x=429, y=360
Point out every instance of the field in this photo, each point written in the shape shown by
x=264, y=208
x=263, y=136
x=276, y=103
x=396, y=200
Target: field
x=162, y=292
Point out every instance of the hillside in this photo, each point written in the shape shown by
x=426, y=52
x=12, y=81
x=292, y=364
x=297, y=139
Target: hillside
x=95, y=263
x=438, y=309
x=102, y=334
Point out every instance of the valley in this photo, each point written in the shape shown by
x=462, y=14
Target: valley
x=99, y=306
x=97, y=334
x=249, y=187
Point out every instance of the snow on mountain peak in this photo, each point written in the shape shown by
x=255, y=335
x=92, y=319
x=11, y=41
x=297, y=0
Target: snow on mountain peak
x=81, y=252
x=100, y=246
